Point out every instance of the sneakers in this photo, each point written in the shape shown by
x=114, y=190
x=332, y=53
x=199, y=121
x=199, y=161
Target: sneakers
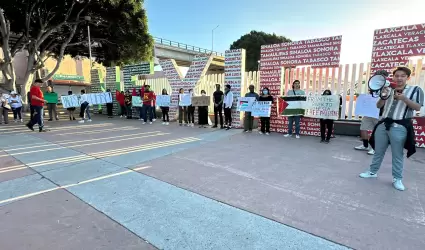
x=89, y=120
x=154, y=120
x=163, y=123
x=288, y=135
x=397, y=184
x=150, y=122
x=143, y=123
x=371, y=152
x=82, y=121
x=21, y=120
x=361, y=147
x=260, y=133
x=368, y=174
x=29, y=126
x=167, y=123
x=297, y=136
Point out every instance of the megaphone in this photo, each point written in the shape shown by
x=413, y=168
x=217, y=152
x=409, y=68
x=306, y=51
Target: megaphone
x=378, y=83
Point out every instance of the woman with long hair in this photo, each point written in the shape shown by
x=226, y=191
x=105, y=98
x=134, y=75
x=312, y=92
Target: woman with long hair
x=165, y=110
x=203, y=113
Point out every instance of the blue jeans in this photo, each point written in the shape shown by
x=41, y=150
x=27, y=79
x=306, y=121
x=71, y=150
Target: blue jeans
x=395, y=137
x=147, y=111
x=88, y=112
x=37, y=117
x=291, y=120
x=141, y=112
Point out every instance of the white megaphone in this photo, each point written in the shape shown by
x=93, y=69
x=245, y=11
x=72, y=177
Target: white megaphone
x=377, y=83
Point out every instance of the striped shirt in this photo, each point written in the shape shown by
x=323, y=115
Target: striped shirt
x=395, y=109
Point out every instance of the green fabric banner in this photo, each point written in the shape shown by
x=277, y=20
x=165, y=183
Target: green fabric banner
x=51, y=97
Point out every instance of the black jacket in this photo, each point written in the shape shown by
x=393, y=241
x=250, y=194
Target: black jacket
x=410, y=143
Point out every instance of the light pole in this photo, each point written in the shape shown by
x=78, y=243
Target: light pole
x=88, y=19
x=212, y=39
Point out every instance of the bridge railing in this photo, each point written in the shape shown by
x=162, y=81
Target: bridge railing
x=185, y=46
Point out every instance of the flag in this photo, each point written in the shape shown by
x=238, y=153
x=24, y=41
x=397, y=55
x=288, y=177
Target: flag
x=292, y=105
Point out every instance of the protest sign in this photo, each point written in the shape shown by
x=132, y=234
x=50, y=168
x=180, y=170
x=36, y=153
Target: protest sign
x=51, y=97
x=366, y=106
x=136, y=101
x=261, y=108
x=291, y=105
x=200, y=101
x=70, y=101
x=185, y=100
x=245, y=103
x=163, y=100
x=322, y=106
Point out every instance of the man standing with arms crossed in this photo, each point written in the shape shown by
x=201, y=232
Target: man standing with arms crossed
x=37, y=103
x=395, y=127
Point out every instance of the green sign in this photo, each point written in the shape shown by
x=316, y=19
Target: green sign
x=51, y=97
x=68, y=77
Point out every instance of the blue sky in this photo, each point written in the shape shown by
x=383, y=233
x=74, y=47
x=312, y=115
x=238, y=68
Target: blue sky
x=191, y=22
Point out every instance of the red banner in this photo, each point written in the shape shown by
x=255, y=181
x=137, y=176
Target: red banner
x=419, y=126
x=393, y=47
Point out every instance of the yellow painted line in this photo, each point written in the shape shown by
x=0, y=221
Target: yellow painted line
x=17, y=166
x=142, y=148
x=25, y=130
x=72, y=185
x=61, y=160
x=66, y=142
x=78, y=126
x=56, y=147
x=99, y=131
x=10, y=170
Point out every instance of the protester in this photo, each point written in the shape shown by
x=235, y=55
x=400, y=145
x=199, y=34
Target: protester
x=191, y=111
x=4, y=109
x=128, y=104
x=326, y=124
x=295, y=91
x=203, y=113
x=37, y=103
x=153, y=109
x=52, y=100
x=227, y=105
x=15, y=102
x=120, y=99
x=265, y=121
x=218, y=98
x=165, y=110
x=148, y=96
x=71, y=110
x=395, y=127
x=182, y=110
x=109, y=106
x=84, y=108
x=248, y=118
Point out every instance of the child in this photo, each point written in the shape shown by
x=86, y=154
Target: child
x=165, y=110
x=265, y=121
x=326, y=123
x=203, y=113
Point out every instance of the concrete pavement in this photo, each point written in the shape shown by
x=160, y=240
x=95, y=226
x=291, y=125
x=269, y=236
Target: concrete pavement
x=117, y=184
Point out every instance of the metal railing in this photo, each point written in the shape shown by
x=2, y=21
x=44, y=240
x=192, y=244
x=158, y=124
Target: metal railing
x=185, y=46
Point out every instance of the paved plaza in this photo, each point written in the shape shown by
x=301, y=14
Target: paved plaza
x=117, y=184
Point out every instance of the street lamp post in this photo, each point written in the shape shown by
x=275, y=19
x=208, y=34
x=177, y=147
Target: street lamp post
x=212, y=39
x=88, y=19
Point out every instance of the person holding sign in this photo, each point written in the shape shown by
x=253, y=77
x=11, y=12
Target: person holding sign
x=182, y=110
x=15, y=102
x=85, y=107
x=326, y=124
x=52, y=100
x=71, y=110
x=265, y=121
x=296, y=85
x=218, y=97
x=227, y=104
x=248, y=118
x=165, y=110
x=203, y=113
x=395, y=127
x=191, y=111
x=128, y=104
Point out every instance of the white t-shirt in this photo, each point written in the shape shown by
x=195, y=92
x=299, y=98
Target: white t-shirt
x=16, y=104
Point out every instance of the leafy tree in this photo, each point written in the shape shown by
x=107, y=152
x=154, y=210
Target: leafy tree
x=252, y=42
x=52, y=28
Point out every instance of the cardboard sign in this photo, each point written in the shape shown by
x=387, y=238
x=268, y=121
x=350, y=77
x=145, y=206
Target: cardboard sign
x=261, y=109
x=200, y=101
x=322, y=106
x=366, y=106
x=70, y=101
x=163, y=100
x=136, y=101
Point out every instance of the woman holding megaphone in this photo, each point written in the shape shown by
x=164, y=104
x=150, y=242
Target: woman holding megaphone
x=395, y=128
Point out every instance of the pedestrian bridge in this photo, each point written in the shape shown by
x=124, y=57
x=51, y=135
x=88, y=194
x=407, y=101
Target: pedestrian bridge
x=183, y=54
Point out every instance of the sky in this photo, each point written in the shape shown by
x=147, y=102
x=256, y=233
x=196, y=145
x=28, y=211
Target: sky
x=191, y=22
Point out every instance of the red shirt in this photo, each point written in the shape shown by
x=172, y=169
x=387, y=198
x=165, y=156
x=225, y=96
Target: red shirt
x=36, y=91
x=147, y=98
